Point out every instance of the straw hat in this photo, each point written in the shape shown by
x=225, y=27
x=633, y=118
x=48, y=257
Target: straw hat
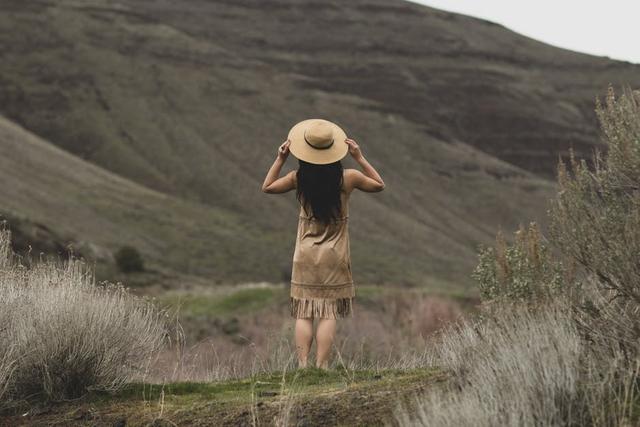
x=318, y=141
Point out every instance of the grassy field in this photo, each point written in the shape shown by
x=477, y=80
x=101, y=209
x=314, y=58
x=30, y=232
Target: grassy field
x=337, y=397
x=230, y=330
x=77, y=353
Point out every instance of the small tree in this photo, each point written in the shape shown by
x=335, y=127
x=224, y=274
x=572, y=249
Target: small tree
x=129, y=260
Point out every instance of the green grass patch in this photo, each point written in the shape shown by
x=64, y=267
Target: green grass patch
x=240, y=301
x=370, y=291
x=302, y=381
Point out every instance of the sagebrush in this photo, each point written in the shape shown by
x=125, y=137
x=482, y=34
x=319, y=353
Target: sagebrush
x=570, y=355
x=524, y=271
x=63, y=335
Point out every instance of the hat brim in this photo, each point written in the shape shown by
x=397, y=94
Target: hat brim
x=303, y=151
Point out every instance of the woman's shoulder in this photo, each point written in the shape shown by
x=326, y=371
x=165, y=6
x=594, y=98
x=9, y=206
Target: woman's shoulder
x=349, y=173
x=293, y=176
x=349, y=178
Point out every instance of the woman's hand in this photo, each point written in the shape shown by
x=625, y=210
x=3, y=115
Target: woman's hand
x=273, y=184
x=283, y=150
x=354, y=149
x=369, y=179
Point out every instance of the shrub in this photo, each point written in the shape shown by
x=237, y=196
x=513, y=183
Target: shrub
x=129, y=260
x=596, y=216
x=524, y=271
x=596, y=220
x=569, y=361
x=62, y=335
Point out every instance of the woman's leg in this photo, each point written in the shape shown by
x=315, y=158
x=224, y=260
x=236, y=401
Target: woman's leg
x=304, y=337
x=324, y=340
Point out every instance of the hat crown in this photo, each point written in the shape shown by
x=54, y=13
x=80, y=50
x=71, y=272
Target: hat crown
x=319, y=134
x=318, y=141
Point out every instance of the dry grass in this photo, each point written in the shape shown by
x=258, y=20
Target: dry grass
x=210, y=361
x=63, y=335
x=390, y=330
x=518, y=368
x=529, y=367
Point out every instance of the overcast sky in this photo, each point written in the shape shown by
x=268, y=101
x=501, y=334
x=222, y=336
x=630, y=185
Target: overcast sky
x=606, y=28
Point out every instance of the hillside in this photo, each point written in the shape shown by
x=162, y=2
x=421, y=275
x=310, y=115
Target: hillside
x=463, y=117
x=89, y=204
x=97, y=211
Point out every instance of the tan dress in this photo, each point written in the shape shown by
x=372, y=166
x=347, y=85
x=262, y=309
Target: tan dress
x=321, y=282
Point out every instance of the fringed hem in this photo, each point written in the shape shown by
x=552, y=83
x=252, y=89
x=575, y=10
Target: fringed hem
x=309, y=308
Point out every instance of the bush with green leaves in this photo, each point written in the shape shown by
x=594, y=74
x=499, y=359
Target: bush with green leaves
x=571, y=354
x=594, y=221
x=129, y=260
x=595, y=218
x=523, y=271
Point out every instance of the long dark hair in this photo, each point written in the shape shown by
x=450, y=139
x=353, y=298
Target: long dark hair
x=319, y=188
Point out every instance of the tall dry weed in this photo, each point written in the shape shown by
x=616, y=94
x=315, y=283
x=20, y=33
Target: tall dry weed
x=517, y=368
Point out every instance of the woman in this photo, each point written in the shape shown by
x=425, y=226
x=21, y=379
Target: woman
x=321, y=284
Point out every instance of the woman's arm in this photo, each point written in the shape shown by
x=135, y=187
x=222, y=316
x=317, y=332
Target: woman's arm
x=273, y=184
x=369, y=179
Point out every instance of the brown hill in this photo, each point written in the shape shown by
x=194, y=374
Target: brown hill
x=46, y=189
x=192, y=98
